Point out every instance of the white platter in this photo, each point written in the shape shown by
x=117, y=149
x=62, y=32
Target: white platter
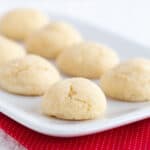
x=26, y=110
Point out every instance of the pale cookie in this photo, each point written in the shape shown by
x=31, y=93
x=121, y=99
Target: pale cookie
x=87, y=59
x=30, y=75
x=128, y=81
x=51, y=40
x=9, y=50
x=19, y=23
x=74, y=99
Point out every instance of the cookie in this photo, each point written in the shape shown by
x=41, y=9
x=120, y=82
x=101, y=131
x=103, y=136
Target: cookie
x=19, y=23
x=9, y=50
x=87, y=59
x=51, y=40
x=128, y=81
x=74, y=99
x=30, y=75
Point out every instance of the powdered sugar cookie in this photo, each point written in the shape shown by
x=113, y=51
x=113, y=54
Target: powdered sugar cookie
x=129, y=80
x=87, y=59
x=30, y=75
x=50, y=41
x=74, y=99
x=19, y=23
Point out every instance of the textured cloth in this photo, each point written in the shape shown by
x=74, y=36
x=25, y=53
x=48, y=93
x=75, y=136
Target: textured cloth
x=135, y=136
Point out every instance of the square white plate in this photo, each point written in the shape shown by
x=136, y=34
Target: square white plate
x=26, y=110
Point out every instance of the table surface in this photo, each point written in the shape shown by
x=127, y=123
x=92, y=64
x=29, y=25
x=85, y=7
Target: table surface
x=8, y=143
x=127, y=18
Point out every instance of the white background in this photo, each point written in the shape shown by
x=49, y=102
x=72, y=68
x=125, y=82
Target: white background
x=129, y=18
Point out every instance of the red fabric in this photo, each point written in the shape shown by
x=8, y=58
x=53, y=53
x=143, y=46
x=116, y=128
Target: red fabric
x=135, y=136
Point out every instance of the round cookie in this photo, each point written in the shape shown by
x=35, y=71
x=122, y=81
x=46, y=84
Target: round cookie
x=128, y=81
x=9, y=50
x=30, y=75
x=51, y=40
x=19, y=23
x=74, y=99
x=87, y=59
